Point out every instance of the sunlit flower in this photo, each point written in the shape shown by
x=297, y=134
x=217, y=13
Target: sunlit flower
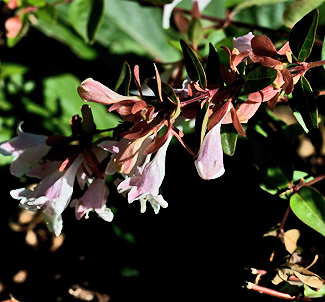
x=243, y=43
x=52, y=195
x=145, y=184
x=94, y=199
x=27, y=148
x=94, y=91
x=209, y=163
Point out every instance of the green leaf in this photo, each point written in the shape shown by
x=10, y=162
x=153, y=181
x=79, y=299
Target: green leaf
x=195, y=31
x=271, y=160
x=193, y=66
x=38, y=3
x=62, y=101
x=212, y=69
x=11, y=42
x=249, y=3
x=302, y=35
x=297, y=9
x=303, y=105
x=229, y=137
x=128, y=27
x=258, y=77
x=124, y=80
x=323, y=52
x=168, y=92
x=47, y=24
x=85, y=17
x=95, y=19
x=309, y=206
x=79, y=11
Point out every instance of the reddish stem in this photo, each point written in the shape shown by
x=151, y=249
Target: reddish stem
x=270, y=292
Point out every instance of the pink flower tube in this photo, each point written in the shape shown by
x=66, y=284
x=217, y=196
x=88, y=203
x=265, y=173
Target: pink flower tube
x=94, y=91
x=27, y=148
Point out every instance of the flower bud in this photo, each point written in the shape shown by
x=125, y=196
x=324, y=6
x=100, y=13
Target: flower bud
x=94, y=91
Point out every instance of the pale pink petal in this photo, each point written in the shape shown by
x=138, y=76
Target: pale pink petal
x=244, y=42
x=209, y=163
x=94, y=91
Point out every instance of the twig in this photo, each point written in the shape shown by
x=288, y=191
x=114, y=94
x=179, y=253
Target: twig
x=270, y=292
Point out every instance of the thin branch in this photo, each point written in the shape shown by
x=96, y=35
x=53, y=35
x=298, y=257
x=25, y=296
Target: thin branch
x=268, y=291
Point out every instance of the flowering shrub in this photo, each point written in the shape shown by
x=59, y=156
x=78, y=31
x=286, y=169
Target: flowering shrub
x=224, y=92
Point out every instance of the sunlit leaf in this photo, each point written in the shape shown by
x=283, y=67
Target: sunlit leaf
x=302, y=35
x=309, y=206
x=212, y=69
x=193, y=66
x=295, y=10
x=303, y=105
x=124, y=80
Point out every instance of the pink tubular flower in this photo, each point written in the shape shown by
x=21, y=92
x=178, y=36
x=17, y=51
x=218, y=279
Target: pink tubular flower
x=52, y=195
x=94, y=91
x=209, y=163
x=94, y=199
x=145, y=184
x=28, y=149
x=244, y=42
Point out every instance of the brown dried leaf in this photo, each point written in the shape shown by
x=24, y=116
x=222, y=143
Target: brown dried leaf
x=307, y=277
x=290, y=239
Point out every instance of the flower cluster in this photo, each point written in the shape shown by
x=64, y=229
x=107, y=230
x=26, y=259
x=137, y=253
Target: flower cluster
x=73, y=169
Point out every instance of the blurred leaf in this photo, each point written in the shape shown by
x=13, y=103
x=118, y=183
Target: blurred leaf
x=309, y=293
x=229, y=137
x=38, y=3
x=79, y=12
x=249, y=3
x=302, y=35
x=129, y=27
x=323, y=52
x=8, y=69
x=195, y=31
x=86, y=17
x=309, y=206
x=271, y=160
x=212, y=69
x=95, y=19
x=258, y=77
x=11, y=42
x=47, y=23
x=269, y=16
x=63, y=101
x=193, y=66
x=303, y=105
x=297, y=10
